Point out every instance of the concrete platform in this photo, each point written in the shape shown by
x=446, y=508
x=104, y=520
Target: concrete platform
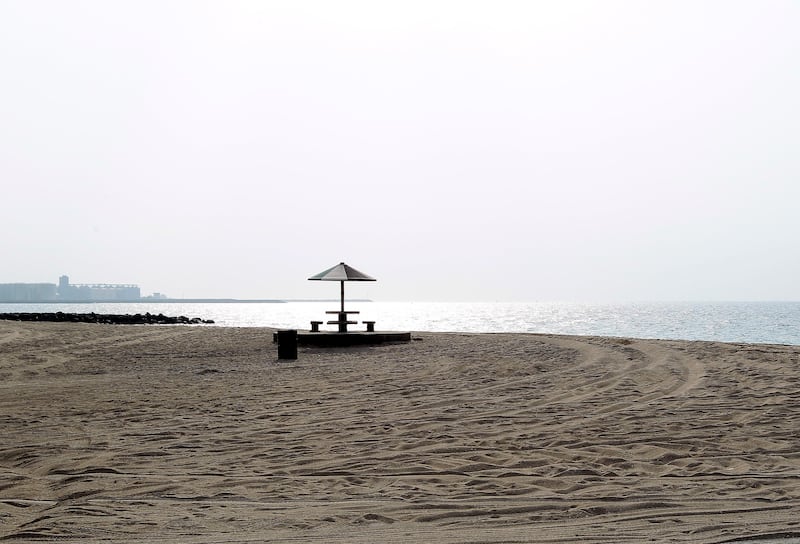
x=340, y=339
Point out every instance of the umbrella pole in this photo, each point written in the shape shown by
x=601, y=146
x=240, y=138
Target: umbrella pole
x=342, y=282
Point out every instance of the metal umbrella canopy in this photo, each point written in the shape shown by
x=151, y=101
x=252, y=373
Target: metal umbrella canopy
x=342, y=273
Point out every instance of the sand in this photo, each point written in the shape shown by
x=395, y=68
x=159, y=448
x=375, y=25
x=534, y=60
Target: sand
x=115, y=433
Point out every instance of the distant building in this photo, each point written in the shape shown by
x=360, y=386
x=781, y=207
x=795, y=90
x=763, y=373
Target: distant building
x=67, y=292
x=28, y=292
x=96, y=292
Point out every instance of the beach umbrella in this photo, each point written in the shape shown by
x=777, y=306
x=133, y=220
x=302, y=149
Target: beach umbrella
x=342, y=273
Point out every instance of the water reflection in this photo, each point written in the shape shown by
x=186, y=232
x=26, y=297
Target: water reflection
x=764, y=322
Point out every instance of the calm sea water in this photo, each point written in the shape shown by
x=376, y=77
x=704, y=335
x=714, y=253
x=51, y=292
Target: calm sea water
x=752, y=322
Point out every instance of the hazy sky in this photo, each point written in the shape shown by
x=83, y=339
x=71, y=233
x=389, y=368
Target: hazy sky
x=455, y=150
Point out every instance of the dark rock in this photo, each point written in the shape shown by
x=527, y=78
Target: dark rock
x=111, y=319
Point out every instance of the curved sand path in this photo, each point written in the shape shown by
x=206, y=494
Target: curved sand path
x=187, y=434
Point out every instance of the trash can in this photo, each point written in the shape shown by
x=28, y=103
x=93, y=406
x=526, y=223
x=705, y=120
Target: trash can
x=287, y=344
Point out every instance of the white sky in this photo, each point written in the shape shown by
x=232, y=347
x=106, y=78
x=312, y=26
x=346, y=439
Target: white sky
x=455, y=150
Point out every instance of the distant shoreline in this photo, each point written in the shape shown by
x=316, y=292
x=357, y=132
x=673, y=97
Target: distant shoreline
x=182, y=301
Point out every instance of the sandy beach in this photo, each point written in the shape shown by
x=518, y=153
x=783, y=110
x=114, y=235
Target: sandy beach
x=112, y=433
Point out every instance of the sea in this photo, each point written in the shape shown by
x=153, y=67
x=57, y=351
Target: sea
x=747, y=322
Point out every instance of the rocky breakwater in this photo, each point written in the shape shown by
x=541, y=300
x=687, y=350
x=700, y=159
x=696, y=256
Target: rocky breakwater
x=114, y=319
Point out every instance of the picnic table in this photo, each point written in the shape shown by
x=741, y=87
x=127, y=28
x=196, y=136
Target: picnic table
x=343, y=321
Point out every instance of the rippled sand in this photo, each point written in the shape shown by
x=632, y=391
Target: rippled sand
x=189, y=434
